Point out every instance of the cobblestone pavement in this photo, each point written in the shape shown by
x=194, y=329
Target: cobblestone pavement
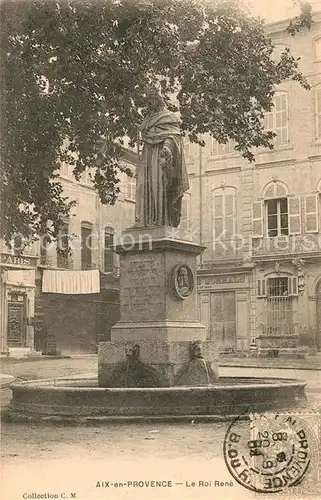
x=56, y=460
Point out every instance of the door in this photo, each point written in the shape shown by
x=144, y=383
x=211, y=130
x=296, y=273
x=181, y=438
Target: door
x=16, y=324
x=318, y=339
x=223, y=320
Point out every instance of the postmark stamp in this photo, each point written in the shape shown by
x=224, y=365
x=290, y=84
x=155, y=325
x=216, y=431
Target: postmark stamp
x=275, y=452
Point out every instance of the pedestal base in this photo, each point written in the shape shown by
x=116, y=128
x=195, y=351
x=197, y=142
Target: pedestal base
x=160, y=364
x=159, y=330
x=151, y=344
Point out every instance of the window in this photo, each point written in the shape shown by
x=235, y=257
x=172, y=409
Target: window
x=224, y=222
x=278, y=287
x=279, y=315
x=222, y=149
x=278, y=213
x=277, y=119
x=130, y=188
x=87, y=177
x=224, y=213
x=185, y=224
x=318, y=113
x=278, y=50
x=63, y=246
x=86, y=244
x=277, y=217
x=66, y=170
x=318, y=49
x=108, y=249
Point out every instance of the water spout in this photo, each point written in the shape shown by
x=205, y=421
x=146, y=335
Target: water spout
x=206, y=371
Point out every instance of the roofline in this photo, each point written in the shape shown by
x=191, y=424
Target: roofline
x=129, y=155
x=281, y=25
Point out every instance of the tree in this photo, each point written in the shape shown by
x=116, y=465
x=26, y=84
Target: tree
x=75, y=77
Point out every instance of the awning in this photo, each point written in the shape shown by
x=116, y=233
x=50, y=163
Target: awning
x=70, y=282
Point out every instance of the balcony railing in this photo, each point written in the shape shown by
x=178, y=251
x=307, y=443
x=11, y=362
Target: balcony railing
x=283, y=245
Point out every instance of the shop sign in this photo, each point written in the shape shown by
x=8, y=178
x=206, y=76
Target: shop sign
x=209, y=282
x=18, y=260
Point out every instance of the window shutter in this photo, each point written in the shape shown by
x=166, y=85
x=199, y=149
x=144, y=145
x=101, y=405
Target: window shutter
x=218, y=216
x=293, y=285
x=294, y=215
x=311, y=213
x=261, y=288
x=229, y=215
x=257, y=219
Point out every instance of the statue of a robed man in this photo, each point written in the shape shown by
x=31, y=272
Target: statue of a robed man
x=162, y=176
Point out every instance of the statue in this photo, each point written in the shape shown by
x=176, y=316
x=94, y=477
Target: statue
x=161, y=175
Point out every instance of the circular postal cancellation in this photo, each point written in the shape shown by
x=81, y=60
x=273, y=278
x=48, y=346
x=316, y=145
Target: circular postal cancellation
x=275, y=452
x=182, y=281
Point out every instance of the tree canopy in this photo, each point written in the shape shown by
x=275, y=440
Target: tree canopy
x=75, y=75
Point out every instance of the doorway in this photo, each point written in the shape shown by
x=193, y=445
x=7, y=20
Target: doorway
x=17, y=321
x=223, y=320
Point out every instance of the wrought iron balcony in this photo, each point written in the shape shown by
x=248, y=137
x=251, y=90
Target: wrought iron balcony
x=304, y=245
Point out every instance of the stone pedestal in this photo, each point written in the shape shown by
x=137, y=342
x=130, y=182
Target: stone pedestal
x=152, y=344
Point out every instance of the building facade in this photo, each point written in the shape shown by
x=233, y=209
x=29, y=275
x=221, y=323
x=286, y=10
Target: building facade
x=259, y=278
x=57, y=303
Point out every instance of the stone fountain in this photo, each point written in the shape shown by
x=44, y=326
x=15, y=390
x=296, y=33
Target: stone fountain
x=158, y=341
x=159, y=363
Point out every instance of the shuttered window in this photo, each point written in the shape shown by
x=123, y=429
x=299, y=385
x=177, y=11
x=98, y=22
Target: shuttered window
x=130, y=188
x=277, y=119
x=278, y=50
x=277, y=287
x=277, y=217
x=222, y=149
x=318, y=113
x=86, y=246
x=224, y=214
x=63, y=246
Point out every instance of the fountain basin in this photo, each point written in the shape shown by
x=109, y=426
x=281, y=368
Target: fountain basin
x=80, y=400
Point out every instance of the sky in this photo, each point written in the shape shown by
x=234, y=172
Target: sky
x=276, y=10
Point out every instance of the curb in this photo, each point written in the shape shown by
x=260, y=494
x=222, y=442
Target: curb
x=9, y=359
x=6, y=380
x=277, y=367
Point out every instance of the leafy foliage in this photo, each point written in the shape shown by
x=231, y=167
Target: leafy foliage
x=75, y=78
x=303, y=20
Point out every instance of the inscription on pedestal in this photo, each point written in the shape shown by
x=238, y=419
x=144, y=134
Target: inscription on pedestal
x=142, y=295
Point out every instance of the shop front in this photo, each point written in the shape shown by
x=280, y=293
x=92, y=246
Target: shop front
x=17, y=295
x=224, y=304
